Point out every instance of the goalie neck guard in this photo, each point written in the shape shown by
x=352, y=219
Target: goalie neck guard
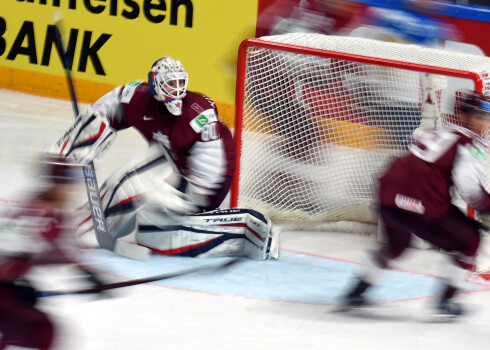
x=168, y=83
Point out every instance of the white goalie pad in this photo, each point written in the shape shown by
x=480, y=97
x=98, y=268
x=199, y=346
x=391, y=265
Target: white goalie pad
x=231, y=232
x=88, y=138
x=149, y=182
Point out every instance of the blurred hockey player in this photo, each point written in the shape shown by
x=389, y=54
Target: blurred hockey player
x=309, y=16
x=408, y=21
x=287, y=100
x=187, y=170
x=414, y=197
x=33, y=233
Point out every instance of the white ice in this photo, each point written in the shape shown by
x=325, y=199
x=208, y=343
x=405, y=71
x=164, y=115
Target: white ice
x=153, y=316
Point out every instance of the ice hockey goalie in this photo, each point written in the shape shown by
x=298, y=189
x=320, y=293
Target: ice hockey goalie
x=163, y=199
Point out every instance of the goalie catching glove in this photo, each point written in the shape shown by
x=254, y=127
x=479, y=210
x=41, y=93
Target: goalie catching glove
x=89, y=138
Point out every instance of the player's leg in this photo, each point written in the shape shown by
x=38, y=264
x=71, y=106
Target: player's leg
x=394, y=241
x=459, y=236
x=41, y=329
x=456, y=234
x=18, y=313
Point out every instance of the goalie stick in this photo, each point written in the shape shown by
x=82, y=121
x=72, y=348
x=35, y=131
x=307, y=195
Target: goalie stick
x=143, y=280
x=104, y=239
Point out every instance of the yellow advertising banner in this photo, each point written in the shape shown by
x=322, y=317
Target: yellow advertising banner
x=113, y=42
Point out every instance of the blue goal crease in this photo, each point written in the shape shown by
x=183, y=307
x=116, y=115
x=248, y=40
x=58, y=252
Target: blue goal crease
x=295, y=277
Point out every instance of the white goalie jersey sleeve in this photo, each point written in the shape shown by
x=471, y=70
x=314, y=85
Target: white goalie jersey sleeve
x=207, y=165
x=109, y=106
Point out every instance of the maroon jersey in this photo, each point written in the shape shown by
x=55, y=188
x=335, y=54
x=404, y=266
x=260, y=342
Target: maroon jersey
x=319, y=16
x=420, y=182
x=34, y=235
x=134, y=106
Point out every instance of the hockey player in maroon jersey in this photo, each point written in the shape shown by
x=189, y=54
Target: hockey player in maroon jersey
x=414, y=197
x=309, y=16
x=34, y=232
x=187, y=170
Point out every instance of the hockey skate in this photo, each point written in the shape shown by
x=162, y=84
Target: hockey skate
x=447, y=309
x=355, y=298
x=352, y=301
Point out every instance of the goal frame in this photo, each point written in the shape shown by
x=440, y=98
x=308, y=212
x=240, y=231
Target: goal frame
x=283, y=47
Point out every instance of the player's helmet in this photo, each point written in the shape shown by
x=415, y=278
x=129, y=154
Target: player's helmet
x=474, y=102
x=58, y=170
x=168, y=83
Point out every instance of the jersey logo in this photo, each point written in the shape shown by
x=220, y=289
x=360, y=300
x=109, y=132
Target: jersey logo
x=148, y=118
x=409, y=203
x=202, y=119
x=129, y=90
x=477, y=153
x=197, y=108
x=432, y=145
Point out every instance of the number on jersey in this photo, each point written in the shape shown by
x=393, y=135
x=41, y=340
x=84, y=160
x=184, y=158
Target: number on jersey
x=433, y=144
x=210, y=132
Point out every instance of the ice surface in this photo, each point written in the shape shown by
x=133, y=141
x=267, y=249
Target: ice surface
x=286, y=304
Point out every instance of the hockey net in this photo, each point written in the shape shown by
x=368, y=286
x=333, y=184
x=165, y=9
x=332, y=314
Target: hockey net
x=319, y=117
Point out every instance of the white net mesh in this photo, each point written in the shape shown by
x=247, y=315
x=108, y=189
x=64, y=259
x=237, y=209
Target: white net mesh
x=317, y=131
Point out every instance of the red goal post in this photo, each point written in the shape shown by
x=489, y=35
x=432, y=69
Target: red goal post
x=318, y=117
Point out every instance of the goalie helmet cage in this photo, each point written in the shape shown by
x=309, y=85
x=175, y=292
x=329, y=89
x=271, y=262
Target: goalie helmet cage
x=319, y=117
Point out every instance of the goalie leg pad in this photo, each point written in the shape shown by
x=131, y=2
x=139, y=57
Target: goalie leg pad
x=119, y=223
x=232, y=232
x=189, y=241
x=122, y=195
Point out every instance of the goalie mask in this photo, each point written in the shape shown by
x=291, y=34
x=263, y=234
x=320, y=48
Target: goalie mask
x=168, y=83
